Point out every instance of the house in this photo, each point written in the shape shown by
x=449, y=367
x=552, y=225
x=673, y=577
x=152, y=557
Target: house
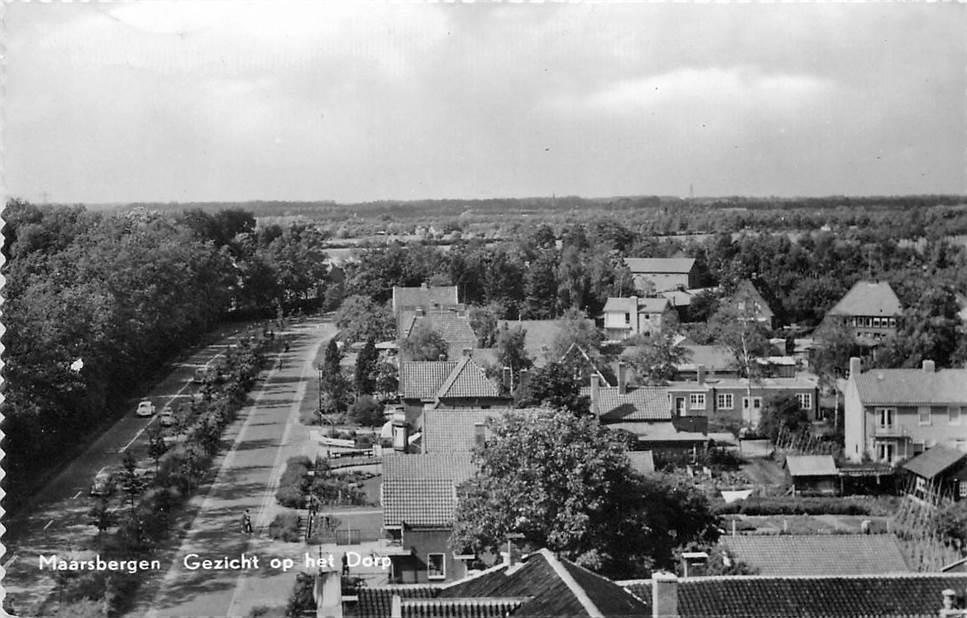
x=681, y=301
x=714, y=361
x=452, y=325
x=424, y=297
x=791, y=555
x=539, y=337
x=888, y=595
x=541, y=584
x=870, y=309
x=446, y=384
x=662, y=274
x=750, y=305
x=939, y=474
x=626, y=317
x=459, y=430
x=813, y=474
x=419, y=498
x=893, y=414
x=740, y=399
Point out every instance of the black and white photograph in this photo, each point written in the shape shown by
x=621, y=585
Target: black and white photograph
x=340, y=309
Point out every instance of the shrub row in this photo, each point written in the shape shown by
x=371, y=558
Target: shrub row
x=794, y=506
x=294, y=484
x=285, y=527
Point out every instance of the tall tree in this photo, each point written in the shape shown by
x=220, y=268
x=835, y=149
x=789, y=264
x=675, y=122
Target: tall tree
x=565, y=483
x=364, y=379
x=511, y=352
x=658, y=358
x=424, y=344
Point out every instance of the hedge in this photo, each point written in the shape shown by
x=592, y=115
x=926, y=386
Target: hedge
x=793, y=506
x=285, y=527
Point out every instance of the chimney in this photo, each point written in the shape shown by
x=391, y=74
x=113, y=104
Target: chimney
x=622, y=378
x=595, y=392
x=701, y=374
x=523, y=379
x=664, y=595
x=467, y=352
x=327, y=592
x=401, y=437
x=854, y=367
x=423, y=286
x=929, y=366
x=949, y=607
x=396, y=610
x=505, y=375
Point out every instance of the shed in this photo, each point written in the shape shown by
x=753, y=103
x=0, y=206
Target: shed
x=939, y=472
x=813, y=474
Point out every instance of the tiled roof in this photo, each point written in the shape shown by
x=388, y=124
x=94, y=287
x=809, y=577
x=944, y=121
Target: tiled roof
x=811, y=465
x=420, y=490
x=912, y=386
x=539, y=337
x=799, y=383
x=378, y=602
x=660, y=265
x=652, y=305
x=635, y=304
x=818, y=554
x=912, y=595
x=867, y=298
x=556, y=587
x=452, y=430
x=645, y=403
x=683, y=298
x=424, y=296
x=460, y=608
x=453, y=327
x=467, y=380
x=620, y=305
x=422, y=379
x=933, y=461
x=712, y=357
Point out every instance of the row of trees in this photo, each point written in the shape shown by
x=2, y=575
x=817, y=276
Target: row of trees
x=97, y=303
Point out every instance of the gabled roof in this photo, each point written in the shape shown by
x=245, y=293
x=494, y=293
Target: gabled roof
x=818, y=554
x=912, y=386
x=453, y=327
x=539, y=337
x=540, y=586
x=453, y=430
x=811, y=465
x=934, y=461
x=645, y=403
x=424, y=296
x=635, y=304
x=713, y=357
x=867, y=298
x=422, y=379
x=660, y=265
x=745, y=291
x=653, y=305
x=910, y=595
x=420, y=490
x=467, y=380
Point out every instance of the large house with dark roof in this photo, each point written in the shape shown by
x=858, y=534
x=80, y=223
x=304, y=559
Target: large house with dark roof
x=894, y=414
x=419, y=498
x=870, y=309
x=663, y=273
x=446, y=384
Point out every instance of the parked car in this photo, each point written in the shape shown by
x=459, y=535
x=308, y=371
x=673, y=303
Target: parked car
x=145, y=408
x=103, y=484
x=167, y=418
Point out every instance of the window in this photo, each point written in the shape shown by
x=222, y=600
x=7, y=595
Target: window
x=756, y=403
x=436, y=566
x=885, y=417
x=918, y=447
x=892, y=322
x=627, y=318
x=953, y=415
x=724, y=401
x=884, y=451
x=805, y=400
x=876, y=322
x=696, y=401
x=479, y=434
x=923, y=415
x=962, y=489
x=921, y=484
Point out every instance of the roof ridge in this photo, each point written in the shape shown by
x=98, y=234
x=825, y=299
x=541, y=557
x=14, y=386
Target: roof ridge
x=857, y=576
x=454, y=374
x=579, y=593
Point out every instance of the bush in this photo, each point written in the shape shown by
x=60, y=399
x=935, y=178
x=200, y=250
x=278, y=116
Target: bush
x=793, y=506
x=285, y=527
x=301, y=600
x=291, y=497
x=366, y=411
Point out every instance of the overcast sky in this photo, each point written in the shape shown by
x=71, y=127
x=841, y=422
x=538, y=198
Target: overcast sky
x=312, y=101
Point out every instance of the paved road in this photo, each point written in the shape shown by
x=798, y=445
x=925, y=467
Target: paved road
x=56, y=518
x=265, y=436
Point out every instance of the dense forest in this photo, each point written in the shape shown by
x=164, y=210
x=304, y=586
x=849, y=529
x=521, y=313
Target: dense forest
x=127, y=290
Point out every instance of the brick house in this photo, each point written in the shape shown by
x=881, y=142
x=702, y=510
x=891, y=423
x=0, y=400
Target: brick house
x=626, y=317
x=893, y=414
x=740, y=399
x=419, y=498
x=446, y=384
x=870, y=309
x=663, y=273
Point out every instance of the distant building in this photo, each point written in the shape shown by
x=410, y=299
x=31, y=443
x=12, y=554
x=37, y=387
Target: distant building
x=870, y=309
x=791, y=555
x=539, y=338
x=663, y=273
x=749, y=304
x=893, y=414
x=740, y=399
x=813, y=474
x=626, y=317
x=451, y=324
